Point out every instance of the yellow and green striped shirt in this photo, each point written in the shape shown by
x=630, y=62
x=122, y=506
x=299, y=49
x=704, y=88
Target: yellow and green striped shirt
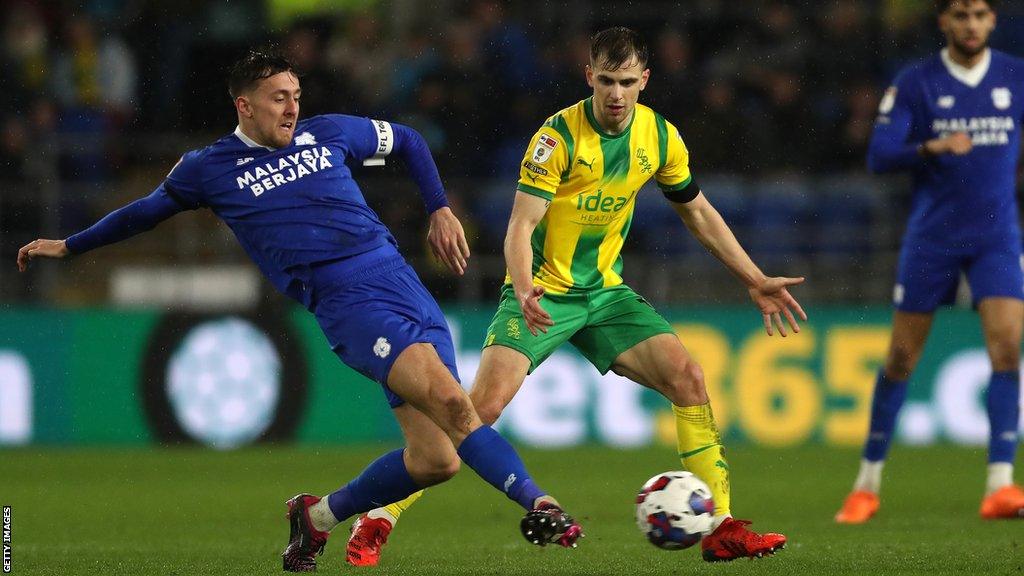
x=592, y=179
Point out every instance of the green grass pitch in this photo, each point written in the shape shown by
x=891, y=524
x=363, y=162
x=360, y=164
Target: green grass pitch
x=194, y=512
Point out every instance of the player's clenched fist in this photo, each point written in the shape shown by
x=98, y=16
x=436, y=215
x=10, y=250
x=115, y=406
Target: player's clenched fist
x=36, y=248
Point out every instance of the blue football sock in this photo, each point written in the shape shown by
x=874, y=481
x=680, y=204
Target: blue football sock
x=885, y=406
x=1003, y=400
x=496, y=461
x=384, y=481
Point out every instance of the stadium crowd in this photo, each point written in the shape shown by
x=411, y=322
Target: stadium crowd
x=770, y=94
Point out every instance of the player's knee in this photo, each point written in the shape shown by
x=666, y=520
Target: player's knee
x=901, y=361
x=1005, y=356
x=436, y=469
x=452, y=409
x=686, y=387
x=444, y=470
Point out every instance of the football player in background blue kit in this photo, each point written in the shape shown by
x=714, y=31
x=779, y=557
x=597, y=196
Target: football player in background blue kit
x=954, y=122
x=283, y=188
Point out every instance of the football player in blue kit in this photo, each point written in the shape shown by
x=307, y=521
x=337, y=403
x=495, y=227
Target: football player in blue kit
x=953, y=121
x=283, y=188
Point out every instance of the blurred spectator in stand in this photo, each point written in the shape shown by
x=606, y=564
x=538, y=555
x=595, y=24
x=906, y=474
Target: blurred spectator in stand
x=321, y=87
x=674, y=74
x=94, y=82
x=847, y=141
x=719, y=138
x=25, y=66
x=363, y=55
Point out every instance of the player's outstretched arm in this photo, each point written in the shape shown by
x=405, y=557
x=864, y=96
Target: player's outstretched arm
x=125, y=222
x=770, y=294
x=527, y=212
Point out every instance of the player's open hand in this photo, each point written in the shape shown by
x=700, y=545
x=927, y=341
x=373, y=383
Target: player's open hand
x=36, y=248
x=536, y=317
x=774, y=300
x=447, y=240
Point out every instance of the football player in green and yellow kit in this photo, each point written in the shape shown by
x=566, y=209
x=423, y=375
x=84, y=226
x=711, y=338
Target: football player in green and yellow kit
x=573, y=208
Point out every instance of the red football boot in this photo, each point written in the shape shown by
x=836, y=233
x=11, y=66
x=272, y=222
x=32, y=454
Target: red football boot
x=304, y=542
x=368, y=536
x=732, y=540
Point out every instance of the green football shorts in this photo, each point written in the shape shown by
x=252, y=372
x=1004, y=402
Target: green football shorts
x=601, y=324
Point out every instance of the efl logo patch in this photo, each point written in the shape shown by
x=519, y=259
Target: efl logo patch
x=545, y=146
x=1001, y=98
x=534, y=168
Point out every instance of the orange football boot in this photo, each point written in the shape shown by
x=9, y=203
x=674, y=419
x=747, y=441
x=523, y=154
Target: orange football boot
x=1007, y=502
x=858, y=508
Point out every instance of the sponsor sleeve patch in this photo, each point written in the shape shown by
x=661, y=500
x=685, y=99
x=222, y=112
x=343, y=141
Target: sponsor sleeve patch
x=385, y=143
x=534, y=168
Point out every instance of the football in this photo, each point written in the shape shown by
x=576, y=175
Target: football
x=674, y=510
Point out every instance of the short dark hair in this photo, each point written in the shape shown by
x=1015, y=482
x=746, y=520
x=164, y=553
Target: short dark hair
x=256, y=65
x=943, y=5
x=618, y=46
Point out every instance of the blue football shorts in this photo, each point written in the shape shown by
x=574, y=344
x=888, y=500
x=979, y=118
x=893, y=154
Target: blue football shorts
x=927, y=276
x=371, y=319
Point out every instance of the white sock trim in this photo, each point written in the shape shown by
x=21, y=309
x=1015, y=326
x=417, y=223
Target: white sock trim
x=321, y=516
x=869, y=478
x=717, y=521
x=1000, y=474
x=382, y=513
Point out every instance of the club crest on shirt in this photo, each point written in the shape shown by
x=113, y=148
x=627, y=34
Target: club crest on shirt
x=1001, y=98
x=888, y=100
x=543, y=149
x=305, y=139
x=382, y=347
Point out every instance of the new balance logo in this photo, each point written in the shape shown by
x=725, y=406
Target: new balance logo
x=244, y=161
x=305, y=139
x=509, y=481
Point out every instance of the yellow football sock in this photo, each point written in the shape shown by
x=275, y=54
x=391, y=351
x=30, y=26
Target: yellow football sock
x=397, y=508
x=700, y=448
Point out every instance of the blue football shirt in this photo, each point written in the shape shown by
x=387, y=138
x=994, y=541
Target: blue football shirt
x=958, y=201
x=292, y=208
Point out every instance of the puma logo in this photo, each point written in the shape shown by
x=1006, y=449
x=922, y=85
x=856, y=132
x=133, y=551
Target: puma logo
x=590, y=164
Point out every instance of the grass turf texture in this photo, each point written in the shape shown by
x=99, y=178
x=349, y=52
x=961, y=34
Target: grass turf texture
x=195, y=512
